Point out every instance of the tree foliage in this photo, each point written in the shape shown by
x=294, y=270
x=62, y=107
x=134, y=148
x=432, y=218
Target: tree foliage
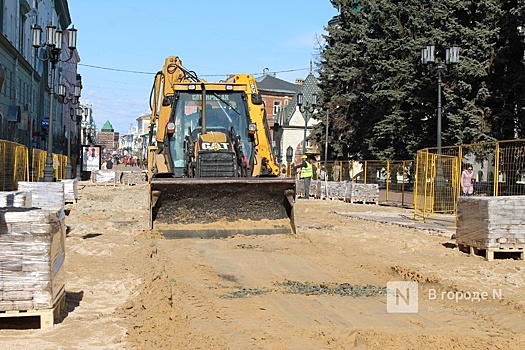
x=382, y=101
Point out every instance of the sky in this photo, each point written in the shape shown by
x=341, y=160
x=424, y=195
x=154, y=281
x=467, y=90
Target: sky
x=123, y=43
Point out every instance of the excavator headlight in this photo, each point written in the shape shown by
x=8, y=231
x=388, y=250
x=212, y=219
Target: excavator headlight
x=229, y=87
x=192, y=87
x=252, y=128
x=171, y=127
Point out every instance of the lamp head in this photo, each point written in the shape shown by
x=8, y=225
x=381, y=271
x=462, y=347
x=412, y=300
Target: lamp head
x=300, y=99
x=37, y=36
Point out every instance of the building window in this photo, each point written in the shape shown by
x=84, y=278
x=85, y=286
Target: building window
x=2, y=16
x=24, y=8
x=276, y=107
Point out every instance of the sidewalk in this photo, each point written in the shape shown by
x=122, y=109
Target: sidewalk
x=440, y=225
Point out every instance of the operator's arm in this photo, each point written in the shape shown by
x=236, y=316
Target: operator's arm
x=302, y=165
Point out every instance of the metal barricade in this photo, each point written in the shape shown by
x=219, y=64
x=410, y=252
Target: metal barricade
x=498, y=170
x=13, y=165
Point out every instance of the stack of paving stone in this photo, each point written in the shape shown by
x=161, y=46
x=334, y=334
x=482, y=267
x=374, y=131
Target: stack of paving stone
x=105, y=177
x=132, y=177
x=70, y=190
x=299, y=188
x=17, y=199
x=32, y=253
x=320, y=189
x=366, y=193
x=336, y=190
x=44, y=194
x=491, y=222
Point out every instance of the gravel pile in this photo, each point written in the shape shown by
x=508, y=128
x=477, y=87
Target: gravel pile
x=344, y=289
x=294, y=287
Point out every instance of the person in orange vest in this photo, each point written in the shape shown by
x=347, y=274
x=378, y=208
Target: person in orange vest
x=307, y=171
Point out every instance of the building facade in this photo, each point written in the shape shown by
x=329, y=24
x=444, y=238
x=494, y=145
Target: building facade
x=276, y=94
x=25, y=75
x=137, y=139
x=287, y=123
x=106, y=139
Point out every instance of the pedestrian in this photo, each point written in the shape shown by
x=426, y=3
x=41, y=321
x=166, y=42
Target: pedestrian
x=322, y=173
x=307, y=171
x=109, y=164
x=467, y=181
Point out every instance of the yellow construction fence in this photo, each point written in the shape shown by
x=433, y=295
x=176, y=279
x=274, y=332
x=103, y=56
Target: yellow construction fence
x=395, y=179
x=498, y=167
x=15, y=165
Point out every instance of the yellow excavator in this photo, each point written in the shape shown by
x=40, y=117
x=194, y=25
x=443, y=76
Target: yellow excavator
x=211, y=170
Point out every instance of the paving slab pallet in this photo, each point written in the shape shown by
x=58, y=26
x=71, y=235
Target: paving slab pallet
x=490, y=252
x=363, y=201
x=47, y=316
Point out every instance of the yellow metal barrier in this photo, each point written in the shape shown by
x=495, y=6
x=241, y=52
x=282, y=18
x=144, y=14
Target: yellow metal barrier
x=498, y=170
x=395, y=179
x=436, y=184
x=38, y=164
x=13, y=165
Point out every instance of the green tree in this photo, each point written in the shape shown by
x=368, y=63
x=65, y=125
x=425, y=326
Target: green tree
x=383, y=102
x=343, y=80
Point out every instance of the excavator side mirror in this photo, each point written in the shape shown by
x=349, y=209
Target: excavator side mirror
x=167, y=101
x=257, y=99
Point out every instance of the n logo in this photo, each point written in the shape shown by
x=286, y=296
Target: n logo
x=402, y=297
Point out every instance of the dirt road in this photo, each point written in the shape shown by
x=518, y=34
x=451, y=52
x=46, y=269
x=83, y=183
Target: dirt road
x=323, y=288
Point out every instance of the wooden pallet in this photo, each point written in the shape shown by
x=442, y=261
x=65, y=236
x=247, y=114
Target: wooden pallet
x=489, y=253
x=47, y=316
x=363, y=201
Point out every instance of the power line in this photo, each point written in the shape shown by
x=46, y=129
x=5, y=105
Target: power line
x=203, y=75
x=115, y=69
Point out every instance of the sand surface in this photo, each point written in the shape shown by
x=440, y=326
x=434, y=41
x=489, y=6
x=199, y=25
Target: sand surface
x=323, y=288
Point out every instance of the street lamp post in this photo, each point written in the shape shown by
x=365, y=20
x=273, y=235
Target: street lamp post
x=326, y=140
x=78, y=112
x=73, y=99
x=53, y=47
x=306, y=110
x=442, y=192
x=451, y=59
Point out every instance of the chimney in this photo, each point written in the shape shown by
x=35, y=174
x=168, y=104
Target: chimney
x=299, y=81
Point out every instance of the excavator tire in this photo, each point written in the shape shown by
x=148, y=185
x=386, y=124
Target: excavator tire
x=222, y=207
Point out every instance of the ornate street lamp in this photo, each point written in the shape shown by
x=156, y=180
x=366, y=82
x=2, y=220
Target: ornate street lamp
x=442, y=191
x=73, y=100
x=451, y=59
x=53, y=50
x=306, y=110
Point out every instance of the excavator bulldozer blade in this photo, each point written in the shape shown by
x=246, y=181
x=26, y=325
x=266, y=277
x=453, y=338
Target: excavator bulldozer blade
x=222, y=207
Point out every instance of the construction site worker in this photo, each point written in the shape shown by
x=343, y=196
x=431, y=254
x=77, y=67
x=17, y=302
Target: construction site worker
x=307, y=171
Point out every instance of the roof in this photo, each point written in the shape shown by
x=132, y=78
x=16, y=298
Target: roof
x=107, y=127
x=269, y=83
x=308, y=88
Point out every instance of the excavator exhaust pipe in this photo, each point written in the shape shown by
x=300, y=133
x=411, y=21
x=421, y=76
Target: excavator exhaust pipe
x=222, y=207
